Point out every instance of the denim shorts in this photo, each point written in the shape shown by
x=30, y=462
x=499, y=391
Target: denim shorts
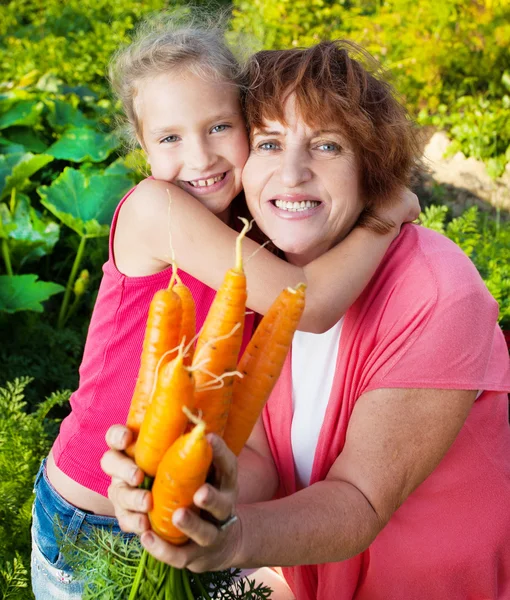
x=52, y=517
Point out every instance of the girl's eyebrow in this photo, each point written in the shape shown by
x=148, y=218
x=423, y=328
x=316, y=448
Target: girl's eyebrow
x=175, y=129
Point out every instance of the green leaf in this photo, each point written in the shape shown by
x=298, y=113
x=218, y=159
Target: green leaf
x=30, y=235
x=26, y=137
x=63, y=115
x=15, y=170
x=7, y=147
x=78, y=144
x=84, y=202
x=25, y=292
x=25, y=112
x=505, y=79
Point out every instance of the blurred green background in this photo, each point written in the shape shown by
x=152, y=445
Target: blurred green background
x=449, y=60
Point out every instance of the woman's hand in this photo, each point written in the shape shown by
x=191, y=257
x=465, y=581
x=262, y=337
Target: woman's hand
x=209, y=548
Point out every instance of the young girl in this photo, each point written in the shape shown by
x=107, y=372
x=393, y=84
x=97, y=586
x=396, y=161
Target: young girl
x=180, y=89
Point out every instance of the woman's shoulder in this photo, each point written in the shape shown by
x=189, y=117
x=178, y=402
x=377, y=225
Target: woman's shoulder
x=440, y=265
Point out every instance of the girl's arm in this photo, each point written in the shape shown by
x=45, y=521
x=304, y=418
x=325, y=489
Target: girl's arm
x=204, y=247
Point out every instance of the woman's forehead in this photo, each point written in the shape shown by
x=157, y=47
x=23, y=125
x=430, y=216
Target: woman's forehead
x=293, y=112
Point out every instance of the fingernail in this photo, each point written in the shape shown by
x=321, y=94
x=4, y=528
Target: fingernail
x=120, y=438
x=143, y=501
x=180, y=517
x=147, y=538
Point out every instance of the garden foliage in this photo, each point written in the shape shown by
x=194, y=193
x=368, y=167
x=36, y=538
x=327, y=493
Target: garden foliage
x=24, y=439
x=450, y=59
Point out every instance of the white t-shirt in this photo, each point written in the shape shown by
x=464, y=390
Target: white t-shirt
x=314, y=357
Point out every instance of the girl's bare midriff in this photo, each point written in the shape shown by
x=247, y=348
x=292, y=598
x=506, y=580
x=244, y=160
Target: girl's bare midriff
x=75, y=493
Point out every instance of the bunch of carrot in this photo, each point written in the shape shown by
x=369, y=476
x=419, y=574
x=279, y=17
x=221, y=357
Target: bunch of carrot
x=176, y=379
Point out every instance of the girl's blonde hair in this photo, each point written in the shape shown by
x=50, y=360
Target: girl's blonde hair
x=178, y=42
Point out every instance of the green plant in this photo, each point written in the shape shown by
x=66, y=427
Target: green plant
x=25, y=438
x=68, y=131
x=437, y=53
x=108, y=563
x=487, y=243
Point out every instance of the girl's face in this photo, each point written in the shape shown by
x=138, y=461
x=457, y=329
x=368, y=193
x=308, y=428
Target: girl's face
x=194, y=134
x=302, y=185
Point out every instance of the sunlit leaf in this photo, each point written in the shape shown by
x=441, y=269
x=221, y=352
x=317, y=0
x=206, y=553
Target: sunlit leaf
x=84, y=202
x=25, y=292
x=78, y=144
x=63, y=115
x=25, y=112
x=16, y=169
x=30, y=234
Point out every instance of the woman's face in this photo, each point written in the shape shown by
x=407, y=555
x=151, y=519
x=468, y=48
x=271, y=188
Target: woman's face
x=302, y=185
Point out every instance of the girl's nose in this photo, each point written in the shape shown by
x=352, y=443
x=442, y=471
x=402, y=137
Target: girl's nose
x=200, y=157
x=294, y=169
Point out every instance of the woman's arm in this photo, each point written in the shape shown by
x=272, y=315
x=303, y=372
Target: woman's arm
x=395, y=439
x=204, y=247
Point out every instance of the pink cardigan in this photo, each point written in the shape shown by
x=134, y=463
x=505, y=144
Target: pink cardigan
x=426, y=320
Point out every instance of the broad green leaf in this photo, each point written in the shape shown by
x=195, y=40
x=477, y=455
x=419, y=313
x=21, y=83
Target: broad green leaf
x=118, y=167
x=26, y=137
x=7, y=147
x=63, y=115
x=85, y=203
x=25, y=292
x=30, y=235
x=25, y=112
x=6, y=224
x=15, y=170
x=78, y=144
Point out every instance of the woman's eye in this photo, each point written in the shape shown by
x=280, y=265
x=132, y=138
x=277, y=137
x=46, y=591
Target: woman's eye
x=267, y=146
x=219, y=128
x=169, y=139
x=328, y=147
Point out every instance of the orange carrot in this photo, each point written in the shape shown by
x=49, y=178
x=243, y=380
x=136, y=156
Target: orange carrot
x=164, y=419
x=161, y=334
x=188, y=323
x=181, y=472
x=218, y=346
x=261, y=365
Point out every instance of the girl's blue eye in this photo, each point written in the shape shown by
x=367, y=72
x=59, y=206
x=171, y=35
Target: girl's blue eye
x=169, y=139
x=219, y=128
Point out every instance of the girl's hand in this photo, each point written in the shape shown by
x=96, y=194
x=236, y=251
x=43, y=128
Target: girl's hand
x=405, y=210
x=130, y=503
x=210, y=548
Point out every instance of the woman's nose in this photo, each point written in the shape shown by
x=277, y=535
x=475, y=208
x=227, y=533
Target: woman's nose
x=294, y=169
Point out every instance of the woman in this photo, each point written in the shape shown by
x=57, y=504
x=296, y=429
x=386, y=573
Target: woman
x=381, y=467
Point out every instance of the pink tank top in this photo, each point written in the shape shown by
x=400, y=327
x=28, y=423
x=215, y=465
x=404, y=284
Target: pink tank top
x=110, y=364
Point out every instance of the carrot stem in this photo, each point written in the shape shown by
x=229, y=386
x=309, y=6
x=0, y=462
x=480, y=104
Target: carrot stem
x=239, y=240
x=187, y=586
x=201, y=587
x=138, y=576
